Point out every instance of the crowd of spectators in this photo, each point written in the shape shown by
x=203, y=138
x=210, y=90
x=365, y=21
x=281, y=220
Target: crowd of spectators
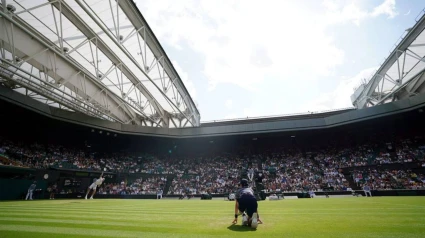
x=387, y=179
x=278, y=170
x=140, y=186
x=213, y=174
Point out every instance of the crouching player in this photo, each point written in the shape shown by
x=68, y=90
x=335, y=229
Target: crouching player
x=96, y=182
x=246, y=204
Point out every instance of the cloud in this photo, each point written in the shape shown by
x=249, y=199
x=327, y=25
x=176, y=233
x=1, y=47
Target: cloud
x=346, y=13
x=243, y=42
x=340, y=97
x=351, y=12
x=228, y=104
x=331, y=5
x=268, y=49
x=386, y=8
x=407, y=13
x=186, y=81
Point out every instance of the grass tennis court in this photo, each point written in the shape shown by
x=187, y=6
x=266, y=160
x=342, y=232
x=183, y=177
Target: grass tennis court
x=334, y=217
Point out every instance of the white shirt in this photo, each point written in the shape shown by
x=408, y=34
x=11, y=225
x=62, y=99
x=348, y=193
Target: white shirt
x=99, y=181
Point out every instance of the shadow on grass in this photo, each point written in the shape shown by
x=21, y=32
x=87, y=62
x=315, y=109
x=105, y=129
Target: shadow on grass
x=240, y=228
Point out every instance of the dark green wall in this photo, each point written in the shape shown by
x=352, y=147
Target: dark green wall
x=13, y=189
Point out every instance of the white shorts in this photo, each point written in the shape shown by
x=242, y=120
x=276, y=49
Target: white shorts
x=93, y=186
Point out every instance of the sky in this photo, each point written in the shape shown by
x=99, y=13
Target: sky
x=246, y=58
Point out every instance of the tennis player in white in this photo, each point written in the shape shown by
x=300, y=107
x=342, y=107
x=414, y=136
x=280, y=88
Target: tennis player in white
x=96, y=182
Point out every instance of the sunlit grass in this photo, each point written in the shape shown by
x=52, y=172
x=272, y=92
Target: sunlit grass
x=334, y=217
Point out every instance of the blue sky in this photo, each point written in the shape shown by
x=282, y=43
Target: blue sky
x=248, y=58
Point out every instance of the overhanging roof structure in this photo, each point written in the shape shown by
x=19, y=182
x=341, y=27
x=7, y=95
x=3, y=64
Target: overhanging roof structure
x=402, y=73
x=96, y=57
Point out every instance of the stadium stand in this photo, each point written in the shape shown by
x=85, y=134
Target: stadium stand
x=283, y=171
x=384, y=156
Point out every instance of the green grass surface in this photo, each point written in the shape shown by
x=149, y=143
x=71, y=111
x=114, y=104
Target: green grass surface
x=334, y=217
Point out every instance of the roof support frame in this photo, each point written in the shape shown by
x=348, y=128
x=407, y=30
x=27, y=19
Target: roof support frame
x=43, y=88
x=49, y=61
x=73, y=17
x=38, y=42
x=147, y=35
x=401, y=51
x=84, y=5
x=401, y=87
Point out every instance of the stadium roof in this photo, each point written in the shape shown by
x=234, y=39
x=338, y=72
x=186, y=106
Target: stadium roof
x=96, y=57
x=101, y=58
x=401, y=75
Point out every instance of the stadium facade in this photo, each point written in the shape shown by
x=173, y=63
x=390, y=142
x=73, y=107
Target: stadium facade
x=78, y=64
x=70, y=73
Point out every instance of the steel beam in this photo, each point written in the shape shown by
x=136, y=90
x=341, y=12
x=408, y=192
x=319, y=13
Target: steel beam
x=58, y=68
x=43, y=89
x=90, y=13
x=135, y=17
x=407, y=86
x=29, y=43
x=362, y=99
x=103, y=47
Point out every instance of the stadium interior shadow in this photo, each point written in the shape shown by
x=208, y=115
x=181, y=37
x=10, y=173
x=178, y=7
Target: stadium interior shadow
x=234, y=227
